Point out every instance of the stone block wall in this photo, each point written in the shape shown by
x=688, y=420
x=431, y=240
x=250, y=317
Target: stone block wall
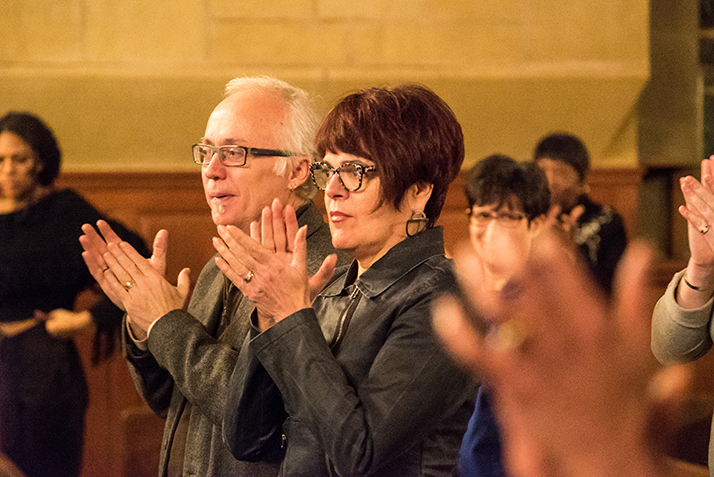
x=129, y=84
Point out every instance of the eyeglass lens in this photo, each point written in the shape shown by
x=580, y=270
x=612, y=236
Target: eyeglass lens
x=350, y=175
x=228, y=155
x=506, y=219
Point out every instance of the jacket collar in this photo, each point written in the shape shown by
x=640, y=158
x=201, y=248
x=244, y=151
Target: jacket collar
x=397, y=262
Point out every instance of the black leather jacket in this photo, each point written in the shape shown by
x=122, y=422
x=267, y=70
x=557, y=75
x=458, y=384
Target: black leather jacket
x=366, y=385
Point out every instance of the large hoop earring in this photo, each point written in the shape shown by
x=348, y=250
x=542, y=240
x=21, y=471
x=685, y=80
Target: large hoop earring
x=416, y=223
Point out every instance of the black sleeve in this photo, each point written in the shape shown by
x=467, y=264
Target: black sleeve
x=254, y=412
x=613, y=241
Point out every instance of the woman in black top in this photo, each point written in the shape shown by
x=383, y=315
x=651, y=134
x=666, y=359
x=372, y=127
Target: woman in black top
x=43, y=393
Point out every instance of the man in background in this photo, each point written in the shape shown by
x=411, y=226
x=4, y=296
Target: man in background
x=597, y=230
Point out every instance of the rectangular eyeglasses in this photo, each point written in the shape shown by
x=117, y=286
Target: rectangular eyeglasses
x=232, y=156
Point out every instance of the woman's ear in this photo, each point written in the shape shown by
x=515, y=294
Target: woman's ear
x=300, y=173
x=418, y=195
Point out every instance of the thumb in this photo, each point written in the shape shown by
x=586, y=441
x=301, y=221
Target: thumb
x=158, y=256
x=322, y=276
x=183, y=283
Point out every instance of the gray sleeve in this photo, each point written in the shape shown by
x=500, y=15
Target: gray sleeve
x=199, y=364
x=179, y=343
x=152, y=381
x=680, y=335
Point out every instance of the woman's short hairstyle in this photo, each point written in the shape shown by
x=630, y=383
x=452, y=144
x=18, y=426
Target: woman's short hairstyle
x=299, y=133
x=500, y=179
x=40, y=138
x=410, y=134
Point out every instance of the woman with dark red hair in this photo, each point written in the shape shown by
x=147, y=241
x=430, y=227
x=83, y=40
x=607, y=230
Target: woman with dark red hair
x=355, y=383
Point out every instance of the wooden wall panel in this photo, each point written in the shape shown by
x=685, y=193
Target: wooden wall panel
x=189, y=239
x=147, y=202
x=618, y=188
x=453, y=215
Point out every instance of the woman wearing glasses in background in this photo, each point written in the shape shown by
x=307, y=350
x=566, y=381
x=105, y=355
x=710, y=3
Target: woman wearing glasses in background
x=508, y=203
x=365, y=384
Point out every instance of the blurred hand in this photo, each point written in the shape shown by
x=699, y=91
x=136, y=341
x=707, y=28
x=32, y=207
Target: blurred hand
x=576, y=390
x=64, y=323
x=565, y=224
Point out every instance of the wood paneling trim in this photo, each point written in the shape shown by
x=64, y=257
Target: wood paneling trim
x=131, y=180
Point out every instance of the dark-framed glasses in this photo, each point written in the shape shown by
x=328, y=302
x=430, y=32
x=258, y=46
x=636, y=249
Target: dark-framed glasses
x=506, y=219
x=232, y=156
x=349, y=173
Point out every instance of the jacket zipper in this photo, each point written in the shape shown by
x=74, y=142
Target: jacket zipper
x=345, y=320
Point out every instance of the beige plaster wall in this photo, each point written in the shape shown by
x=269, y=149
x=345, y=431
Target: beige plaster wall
x=129, y=84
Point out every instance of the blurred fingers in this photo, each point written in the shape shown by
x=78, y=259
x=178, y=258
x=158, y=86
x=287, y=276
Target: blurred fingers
x=463, y=342
x=631, y=281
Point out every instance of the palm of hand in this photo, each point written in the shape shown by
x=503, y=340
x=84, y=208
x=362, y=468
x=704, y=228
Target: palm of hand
x=280, y=283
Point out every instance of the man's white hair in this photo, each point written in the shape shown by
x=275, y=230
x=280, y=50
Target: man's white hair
x=299, y=132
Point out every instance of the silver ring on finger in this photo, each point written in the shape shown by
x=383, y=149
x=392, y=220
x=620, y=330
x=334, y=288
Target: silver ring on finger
x=249, y=276
x=704, y=229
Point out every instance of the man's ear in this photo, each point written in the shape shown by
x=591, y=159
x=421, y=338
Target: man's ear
x=300, y=173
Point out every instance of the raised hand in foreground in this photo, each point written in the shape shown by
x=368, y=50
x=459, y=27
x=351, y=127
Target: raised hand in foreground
x=576, y=389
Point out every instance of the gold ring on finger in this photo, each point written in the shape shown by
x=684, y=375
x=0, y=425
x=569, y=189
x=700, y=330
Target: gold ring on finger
x=511, y=335
x=128, y=284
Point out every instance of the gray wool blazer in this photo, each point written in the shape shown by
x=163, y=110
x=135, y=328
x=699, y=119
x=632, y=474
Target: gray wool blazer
x=187, y=368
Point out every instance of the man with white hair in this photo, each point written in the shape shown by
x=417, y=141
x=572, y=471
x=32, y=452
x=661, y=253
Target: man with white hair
x=257, y=147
